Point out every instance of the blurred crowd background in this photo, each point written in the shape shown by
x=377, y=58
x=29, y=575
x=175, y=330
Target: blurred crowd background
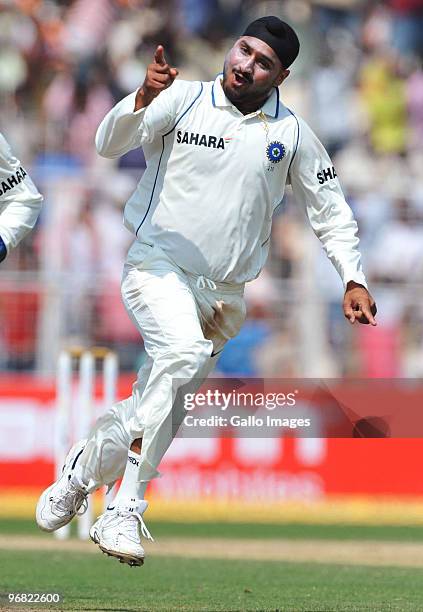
x=358, y=82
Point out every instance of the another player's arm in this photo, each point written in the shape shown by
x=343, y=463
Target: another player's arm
x=128, y=125
x=20, y=201
x=315, y=184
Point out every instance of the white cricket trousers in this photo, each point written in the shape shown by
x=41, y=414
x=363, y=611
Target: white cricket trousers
x=184, y=321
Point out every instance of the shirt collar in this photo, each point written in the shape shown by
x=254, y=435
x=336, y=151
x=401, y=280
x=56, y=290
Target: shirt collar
x=270, y=107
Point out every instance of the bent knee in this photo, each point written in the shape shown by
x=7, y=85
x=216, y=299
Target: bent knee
x=196, y=354
x=189, y=357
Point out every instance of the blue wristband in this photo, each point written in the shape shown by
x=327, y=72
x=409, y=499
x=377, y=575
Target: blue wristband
x=3, y=250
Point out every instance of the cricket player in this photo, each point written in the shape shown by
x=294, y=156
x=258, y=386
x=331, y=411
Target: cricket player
x=20, y=202
x=219, y=155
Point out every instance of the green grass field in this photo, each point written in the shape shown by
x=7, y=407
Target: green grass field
x=96, y=582
x=403, y=533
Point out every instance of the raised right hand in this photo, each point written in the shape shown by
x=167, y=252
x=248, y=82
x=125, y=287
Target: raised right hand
x=159, y=76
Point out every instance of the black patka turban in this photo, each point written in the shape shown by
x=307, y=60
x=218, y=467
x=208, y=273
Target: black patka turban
x=278, y=35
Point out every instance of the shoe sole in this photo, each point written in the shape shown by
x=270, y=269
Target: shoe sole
x=127, y=559
x=130, y=560
x=44, y=497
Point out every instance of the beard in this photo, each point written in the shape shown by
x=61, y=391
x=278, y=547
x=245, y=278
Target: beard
x=234, y=94
x=240, y=89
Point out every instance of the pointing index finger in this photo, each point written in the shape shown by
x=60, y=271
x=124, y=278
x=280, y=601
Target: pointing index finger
x=159, y=57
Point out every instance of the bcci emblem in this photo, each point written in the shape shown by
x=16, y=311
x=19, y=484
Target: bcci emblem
x=275, y=151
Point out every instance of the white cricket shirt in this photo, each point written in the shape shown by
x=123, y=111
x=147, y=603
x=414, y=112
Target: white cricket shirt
x=215, y=176
x=20, y=202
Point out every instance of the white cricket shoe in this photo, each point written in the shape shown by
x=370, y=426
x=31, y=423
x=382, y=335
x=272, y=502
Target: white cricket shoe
x=61, y=501
x=118, y=531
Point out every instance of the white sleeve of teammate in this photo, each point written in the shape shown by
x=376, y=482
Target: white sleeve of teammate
x=124, y=129
x=316, y=186
x=20, y=201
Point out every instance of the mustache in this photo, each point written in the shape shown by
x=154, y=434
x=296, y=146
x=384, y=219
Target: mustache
x=245, y=75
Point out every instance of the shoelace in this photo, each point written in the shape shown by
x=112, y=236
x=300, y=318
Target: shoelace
x=144, y=529
x=70, y=498
x=82, y=508
x=203, y=282
x=134, y=526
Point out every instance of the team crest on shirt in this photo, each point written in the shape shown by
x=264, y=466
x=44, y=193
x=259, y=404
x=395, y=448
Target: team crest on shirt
x=275, y=151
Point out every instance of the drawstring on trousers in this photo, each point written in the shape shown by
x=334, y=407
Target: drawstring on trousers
x=203, y=282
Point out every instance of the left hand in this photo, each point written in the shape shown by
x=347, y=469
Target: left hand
x=359, y=305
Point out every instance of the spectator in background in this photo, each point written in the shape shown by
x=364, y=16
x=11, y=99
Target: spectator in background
x=407, y=27
x=338, y=14
x=384, y=97
x=396, y=255
x=331, y=88
x=414, y=96
x=82, y=266
x=76, y=102
x=395, y=259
